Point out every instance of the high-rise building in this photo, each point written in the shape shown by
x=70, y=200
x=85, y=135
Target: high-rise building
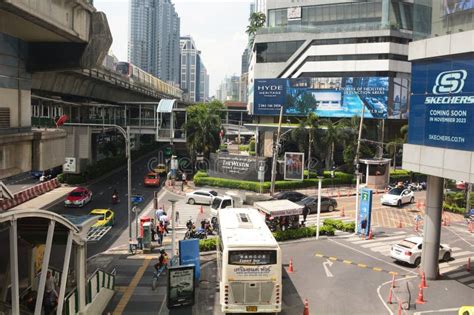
x=229, y=89
x=154, y=38
x=194, y=77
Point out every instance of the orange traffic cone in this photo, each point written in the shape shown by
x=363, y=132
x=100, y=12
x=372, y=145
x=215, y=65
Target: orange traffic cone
x=393, y=280
x=419, y=299
x=418, y=205
x=348, y=193
x=339, y=193
x=389, y=300
x=423, y=281
x=470, y=227
x=400, y=224
x=306, y=307
x=342, y=212
x=468, y=265
x=399, y=308
x=416, y=226
x=202, y=210
x=290, y=267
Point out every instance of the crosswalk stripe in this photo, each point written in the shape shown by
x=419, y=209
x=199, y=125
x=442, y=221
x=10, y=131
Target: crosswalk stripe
x=380, y=248
x=390, y=239
x=468, y=279
x=461, y=254
x=458, y=274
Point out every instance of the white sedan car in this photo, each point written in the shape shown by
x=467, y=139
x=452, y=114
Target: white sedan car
x=409, y=251
x=397, y=197
x=200, y=196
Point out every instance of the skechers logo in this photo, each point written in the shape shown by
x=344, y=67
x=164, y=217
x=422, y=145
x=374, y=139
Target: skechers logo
x=450, y=82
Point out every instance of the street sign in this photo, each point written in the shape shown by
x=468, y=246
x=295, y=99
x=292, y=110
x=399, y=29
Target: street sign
x=365, y=214
x=70, y=165
x=180, y=286
x=137, y=199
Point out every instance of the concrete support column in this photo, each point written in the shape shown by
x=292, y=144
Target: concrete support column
x=81, y=281
x=15, y=282
x=432, y=227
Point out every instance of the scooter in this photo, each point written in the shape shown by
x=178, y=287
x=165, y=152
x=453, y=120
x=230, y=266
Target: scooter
x=115, y=199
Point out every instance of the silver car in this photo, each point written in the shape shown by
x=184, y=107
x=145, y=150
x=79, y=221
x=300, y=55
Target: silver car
x=201, y=197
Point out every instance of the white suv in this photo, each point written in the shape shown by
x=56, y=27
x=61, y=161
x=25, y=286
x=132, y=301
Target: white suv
x=409, y=251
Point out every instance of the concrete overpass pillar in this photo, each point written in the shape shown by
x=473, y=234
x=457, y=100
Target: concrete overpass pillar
x=81, y=281
x=432, y=227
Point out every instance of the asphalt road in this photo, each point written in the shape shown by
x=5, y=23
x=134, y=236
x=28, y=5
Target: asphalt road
x=20, y=182
x=102, y=198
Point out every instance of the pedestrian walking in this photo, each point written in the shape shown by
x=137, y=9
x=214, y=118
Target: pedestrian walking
x=165, y=220
x=160, y=230
x=158, y=214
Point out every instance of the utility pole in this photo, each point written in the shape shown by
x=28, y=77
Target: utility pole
x=276, y=147
x=309, y=150
x=174, y=226
x=356, y=162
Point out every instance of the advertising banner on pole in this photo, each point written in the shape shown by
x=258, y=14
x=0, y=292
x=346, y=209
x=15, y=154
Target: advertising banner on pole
x=330, y=97
x=189, y=255
x=365, y=213
x=180, y=286
x=294, y=165
x=442, y=103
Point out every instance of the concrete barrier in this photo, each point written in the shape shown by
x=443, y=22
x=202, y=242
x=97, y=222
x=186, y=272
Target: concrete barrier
x=29, y=193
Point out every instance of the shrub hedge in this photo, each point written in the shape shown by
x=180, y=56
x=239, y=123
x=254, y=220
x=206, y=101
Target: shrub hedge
x=339, y=225
x=208, y=244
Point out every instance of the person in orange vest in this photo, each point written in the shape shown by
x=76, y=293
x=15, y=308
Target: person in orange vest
x=162, y=261
x=160, y=230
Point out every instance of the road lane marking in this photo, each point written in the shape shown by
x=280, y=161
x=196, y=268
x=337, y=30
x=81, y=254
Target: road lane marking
x=329, y=260
x=131, y=287
x=326, y=266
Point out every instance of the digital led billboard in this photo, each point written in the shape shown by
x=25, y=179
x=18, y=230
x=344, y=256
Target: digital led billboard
x=442, y=104
x=332, y=97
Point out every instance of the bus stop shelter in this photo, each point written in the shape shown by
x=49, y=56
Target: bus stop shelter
x=21, y=231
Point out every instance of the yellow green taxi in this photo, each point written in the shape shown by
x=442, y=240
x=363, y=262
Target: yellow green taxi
x=160, y=169
x=106, y=217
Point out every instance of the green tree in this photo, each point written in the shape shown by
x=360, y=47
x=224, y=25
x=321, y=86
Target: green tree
x=333, y=133
x=304, y=136
x=202, y=128
x=394, y=146
x=256, y=21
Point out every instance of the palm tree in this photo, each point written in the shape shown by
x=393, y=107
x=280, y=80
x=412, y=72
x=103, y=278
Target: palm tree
x=392, y=146
x=333, y=133
x=202, y=128
x=257, y=20
x=307, y=129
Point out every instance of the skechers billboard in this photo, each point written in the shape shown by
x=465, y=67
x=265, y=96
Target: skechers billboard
x=331, y=97
x=442, y=104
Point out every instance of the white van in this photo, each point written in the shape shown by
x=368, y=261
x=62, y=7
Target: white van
x=229, y=200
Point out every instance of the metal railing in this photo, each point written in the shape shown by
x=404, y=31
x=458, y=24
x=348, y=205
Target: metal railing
x=369, y=26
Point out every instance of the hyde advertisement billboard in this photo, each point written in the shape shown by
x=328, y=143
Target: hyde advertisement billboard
x=332, y=97
x=442, y=103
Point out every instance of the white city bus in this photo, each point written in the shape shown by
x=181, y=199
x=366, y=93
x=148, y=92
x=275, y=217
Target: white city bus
x=249, y=263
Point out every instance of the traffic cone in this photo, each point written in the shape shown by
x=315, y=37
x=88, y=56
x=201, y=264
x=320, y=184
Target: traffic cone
x=418, y=205
x=445, y=222
x=399, y=308
x=423, y=204
x=370, y=235
x=389, y=300
x=400, y=224
x=306, y=307
x=423, y=280
x=339, y=194
x=202, y=210
x=348, y=193
x=393, y=280
x=419, y=299
x=416, y=226
x=470, y=227
x=468, y=265
x=342, y=212
x=290, y=267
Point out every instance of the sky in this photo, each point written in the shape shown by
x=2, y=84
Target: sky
x=217, y=26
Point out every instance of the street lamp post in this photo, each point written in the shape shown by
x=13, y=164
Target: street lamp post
x=173, y=222
x=357, y=172
x=320, y=184
x=126, y=134
x=275, y=154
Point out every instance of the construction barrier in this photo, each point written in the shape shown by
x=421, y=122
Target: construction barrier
x=28, y=194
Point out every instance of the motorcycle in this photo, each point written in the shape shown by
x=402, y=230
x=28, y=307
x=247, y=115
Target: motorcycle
x=192, y=232
x=115, y=199
x=206, y=226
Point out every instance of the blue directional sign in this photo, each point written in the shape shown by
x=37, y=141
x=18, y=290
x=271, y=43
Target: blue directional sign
x=189, y=255
x=365, y=213
x=442, y=103
x=137, y=199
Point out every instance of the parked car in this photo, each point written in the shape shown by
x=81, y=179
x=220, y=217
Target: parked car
x=327, y=204
x=151, y=179
x=78, y=197
x=409, y=251
x=200, y=196
x=106, y=217
x=290, y=195
x=398, y=197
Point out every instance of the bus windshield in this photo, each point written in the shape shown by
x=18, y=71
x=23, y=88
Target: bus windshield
x=252, y=257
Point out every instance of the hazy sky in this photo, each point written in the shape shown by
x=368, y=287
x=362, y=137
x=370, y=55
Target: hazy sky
x=217, y=26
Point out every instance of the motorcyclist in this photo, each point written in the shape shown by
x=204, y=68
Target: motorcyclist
x=115, y=196
x=162, y=261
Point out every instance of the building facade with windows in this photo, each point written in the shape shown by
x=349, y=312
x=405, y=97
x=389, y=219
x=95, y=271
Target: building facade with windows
x=343, y=57
x=194, y=76
x=154, y=38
